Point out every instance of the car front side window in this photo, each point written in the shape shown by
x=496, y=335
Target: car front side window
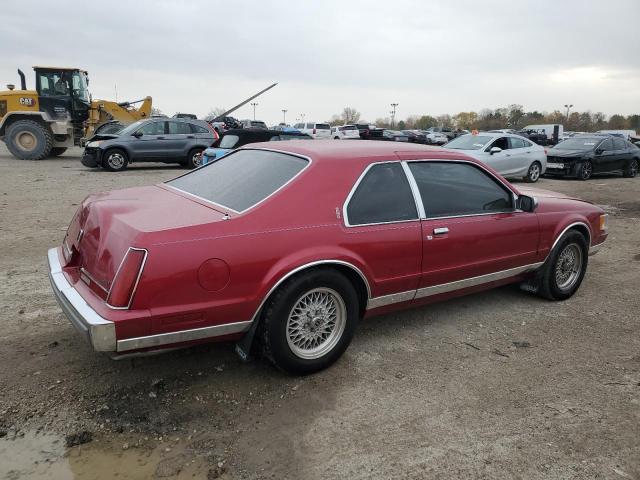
x=451, y=189
x=502, y=143
x=383, y=195
x=152, y=128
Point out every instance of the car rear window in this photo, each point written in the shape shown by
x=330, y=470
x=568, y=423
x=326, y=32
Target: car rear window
x=242, y=179
x=323, y=126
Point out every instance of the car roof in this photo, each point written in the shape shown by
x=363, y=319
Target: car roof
x=369, y=150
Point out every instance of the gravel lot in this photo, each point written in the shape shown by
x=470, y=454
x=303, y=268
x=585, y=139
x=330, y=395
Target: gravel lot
x=499, y=384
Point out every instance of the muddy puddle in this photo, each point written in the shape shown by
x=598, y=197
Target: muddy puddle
x=37, y=456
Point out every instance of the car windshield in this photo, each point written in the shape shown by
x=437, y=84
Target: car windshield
x=576, y=143
x=129, y=129
x=242, y=179
x=469, y=142
x=228, y=141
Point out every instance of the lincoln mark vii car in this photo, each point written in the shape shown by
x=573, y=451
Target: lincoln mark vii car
x=284, y=247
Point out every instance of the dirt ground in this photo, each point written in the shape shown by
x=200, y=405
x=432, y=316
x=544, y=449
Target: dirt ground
x=500, y=384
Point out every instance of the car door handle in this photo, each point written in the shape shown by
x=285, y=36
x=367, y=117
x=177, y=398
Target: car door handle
x=160, y=138
x=190, y=136
x=440, y=231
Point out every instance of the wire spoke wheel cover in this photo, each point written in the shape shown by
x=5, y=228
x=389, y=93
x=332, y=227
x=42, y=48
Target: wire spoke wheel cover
x=568, y=266
x=316, y=323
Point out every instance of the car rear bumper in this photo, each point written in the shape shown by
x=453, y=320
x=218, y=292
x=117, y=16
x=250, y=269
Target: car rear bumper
x=99, y=332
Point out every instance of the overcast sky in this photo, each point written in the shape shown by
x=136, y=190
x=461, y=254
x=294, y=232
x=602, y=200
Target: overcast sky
x=430, y=57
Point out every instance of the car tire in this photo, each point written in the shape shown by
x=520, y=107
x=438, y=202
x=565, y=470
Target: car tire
x=293, y=316
x=336, y=138
x=562, y=273
x=631, y=170
x=28, y=140
x=194, y=158
x=585, y=170
x=57, y=151
x=115, y=160
x=534, y=172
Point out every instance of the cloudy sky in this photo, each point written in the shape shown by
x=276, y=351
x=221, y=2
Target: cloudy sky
x=430, y=57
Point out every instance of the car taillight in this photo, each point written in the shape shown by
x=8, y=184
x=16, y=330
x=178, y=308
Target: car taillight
x=545, y=151
x=126, y=280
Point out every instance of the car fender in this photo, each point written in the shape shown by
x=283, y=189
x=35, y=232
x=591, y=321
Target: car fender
x=300, y=261
x=560, y=228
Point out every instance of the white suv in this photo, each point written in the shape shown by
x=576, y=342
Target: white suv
x=316, y=130
x=346, y=132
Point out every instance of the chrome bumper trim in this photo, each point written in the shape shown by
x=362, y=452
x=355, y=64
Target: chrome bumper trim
x=169, y=338
x=99, y=332
x=593, y=249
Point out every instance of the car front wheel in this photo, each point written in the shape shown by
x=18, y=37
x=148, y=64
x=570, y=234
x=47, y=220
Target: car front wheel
x=631, y=170
x=533, y=175
x=564, y=270
x=115, y=160
x=310, y=321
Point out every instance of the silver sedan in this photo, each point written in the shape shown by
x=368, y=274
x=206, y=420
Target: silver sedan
x=512, y=156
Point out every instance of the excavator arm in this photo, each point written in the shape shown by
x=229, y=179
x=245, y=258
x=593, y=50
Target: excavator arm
x=102, y=111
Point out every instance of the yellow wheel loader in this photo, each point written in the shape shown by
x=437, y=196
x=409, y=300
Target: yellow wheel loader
x=58, y=114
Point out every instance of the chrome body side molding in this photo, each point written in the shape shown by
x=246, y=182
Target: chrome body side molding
x=169, y=338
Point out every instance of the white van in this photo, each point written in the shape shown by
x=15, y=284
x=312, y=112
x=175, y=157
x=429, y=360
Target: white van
x=548, y=129
x=626, y=134
x=316, y=130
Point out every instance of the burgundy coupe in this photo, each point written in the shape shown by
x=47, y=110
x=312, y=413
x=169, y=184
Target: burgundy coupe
x=285, y=247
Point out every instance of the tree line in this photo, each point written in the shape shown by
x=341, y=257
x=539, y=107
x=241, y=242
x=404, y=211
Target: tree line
x=513, y=116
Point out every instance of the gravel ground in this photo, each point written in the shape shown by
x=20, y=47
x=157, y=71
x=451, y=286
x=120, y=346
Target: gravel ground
x=499, y=384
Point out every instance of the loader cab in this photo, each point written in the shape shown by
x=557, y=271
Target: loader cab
x=63, y=93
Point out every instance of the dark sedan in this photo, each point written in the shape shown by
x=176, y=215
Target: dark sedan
x=394, y=136
x=166, y=140
x=584, y=155
x=415, y=136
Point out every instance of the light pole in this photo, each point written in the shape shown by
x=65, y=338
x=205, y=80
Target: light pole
x=253, y=104
x=568, y=107
x=284, y=116
x=393, y=113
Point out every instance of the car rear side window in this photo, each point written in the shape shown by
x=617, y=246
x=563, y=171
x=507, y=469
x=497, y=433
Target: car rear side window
x=382, y=196
x=198, y=128
x=242, y=179
x=516, y=142
x=619, y=144
x=450, y=189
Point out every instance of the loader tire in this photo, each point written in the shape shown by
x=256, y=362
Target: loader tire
x=57, y=151
x=29, y=140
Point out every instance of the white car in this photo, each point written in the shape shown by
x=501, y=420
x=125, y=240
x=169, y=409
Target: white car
x=512, y=156
x=345, y=132
x=316, y=130
x=435, y=138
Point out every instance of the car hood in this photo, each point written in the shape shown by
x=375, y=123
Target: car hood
x=542, y=193
x=103, y=136
x=554, y=152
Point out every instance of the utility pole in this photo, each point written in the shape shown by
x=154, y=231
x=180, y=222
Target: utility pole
x=568, y=107
x=253, y=104
x=284, y=116
x=393, y=113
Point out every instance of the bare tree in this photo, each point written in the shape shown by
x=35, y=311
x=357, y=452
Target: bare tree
x=350, y=115
x=215, y=112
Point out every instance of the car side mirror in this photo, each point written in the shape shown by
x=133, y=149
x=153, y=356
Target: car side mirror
x=526, y=203
x=599, y=151
x=137, y=134
x=495, y=150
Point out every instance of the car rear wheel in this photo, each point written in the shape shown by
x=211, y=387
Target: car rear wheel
x=564, y=270
x=310, y=321
x=194, y=158
x=585, y=170
x=631, y=170
x=115, y=160
x=533, y=175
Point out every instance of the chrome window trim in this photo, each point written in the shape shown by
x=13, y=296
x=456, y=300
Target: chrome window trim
x=83, y=271
x=240, y=212
x=310, y=265
x=345, y=205
x=513, y=194
x=160, y=339
x=135, y=286
x=417, y=196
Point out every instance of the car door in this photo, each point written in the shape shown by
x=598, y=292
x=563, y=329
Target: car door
x=619, y=153
x=148, y=142
x=179, y=139
x=605, y=157
x=520, y=157
x=381, y=224
x=472, y=232
x=204, y=135
x=499, y=161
